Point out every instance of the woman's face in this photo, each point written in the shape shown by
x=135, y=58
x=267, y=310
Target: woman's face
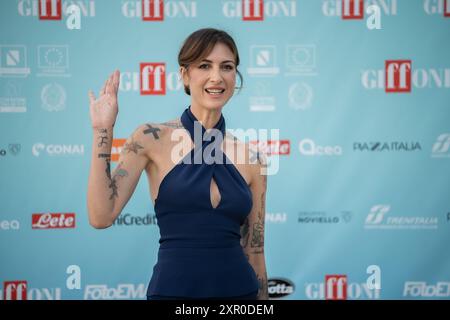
x=216, y=71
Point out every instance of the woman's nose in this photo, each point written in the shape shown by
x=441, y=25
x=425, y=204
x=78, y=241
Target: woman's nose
x=215, y=74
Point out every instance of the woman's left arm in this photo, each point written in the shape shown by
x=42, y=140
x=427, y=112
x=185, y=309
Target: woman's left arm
x=252, y=231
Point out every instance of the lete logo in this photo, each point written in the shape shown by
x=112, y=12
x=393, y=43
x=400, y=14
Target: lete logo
x=53, y=220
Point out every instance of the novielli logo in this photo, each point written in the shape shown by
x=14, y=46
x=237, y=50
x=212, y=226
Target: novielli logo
x=153, y=78
x=53, y=220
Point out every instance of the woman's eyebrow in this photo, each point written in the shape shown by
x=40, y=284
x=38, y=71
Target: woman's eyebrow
x=221, y=62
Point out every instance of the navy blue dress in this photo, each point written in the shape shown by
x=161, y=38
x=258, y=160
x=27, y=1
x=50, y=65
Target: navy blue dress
x=200, y=255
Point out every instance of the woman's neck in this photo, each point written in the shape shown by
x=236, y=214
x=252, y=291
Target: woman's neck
x=208, y=118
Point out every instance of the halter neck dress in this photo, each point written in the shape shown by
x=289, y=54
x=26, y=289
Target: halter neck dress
x=200, y=255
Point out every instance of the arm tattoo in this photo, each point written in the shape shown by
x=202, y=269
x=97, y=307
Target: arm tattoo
x=244, y=233
x=118, y=173
x=173, y=124
x=152, y=130
x=257, y=235
x=107, y=158
x=263, y=292
x=132, y=147
x=103, y=137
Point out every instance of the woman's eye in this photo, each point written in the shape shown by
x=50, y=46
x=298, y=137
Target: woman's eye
x=203, y=65
x=228, y=67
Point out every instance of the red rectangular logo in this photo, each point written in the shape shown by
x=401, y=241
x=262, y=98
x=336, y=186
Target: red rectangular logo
x=352, y=9
x=252, y=10
x=152, y=10
x=116, y=149
x=398, y=76
x=153, y=78
x=50, y=10
x=336, y=287
x=270, y=147
x=15, y=290
x=53, y=220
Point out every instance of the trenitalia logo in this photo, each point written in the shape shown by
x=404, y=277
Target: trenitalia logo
x=354, y=9
x=18, y=290
x=375, y=220
x=157, y=10
x=257, y=10
x=441, y=147
x=53, y=220
x=399, y=77
x=53, y=9
x=437, y=7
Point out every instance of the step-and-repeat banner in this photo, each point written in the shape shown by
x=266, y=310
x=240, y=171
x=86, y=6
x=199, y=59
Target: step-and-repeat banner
x=359, y=91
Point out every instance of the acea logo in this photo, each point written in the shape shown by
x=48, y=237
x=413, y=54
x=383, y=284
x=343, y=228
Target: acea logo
x=158, y=10
x=376, y=220
x=9, y=225
x=280, y=287
x=39, y=149
x=309, y=147
x=441, y=147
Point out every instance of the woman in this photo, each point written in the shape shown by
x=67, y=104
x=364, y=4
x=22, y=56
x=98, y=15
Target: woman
x=210, y=213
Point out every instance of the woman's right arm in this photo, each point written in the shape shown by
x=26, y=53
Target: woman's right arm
x=109, y=192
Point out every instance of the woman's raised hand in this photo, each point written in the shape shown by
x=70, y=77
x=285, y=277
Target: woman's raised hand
x=104, y=109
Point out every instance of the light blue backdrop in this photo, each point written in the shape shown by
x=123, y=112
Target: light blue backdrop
x=365, y=180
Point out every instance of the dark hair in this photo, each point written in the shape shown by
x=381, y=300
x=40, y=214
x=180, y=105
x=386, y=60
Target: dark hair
x=200, y=43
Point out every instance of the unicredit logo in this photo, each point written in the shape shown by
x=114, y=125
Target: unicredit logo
x=53, y=220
